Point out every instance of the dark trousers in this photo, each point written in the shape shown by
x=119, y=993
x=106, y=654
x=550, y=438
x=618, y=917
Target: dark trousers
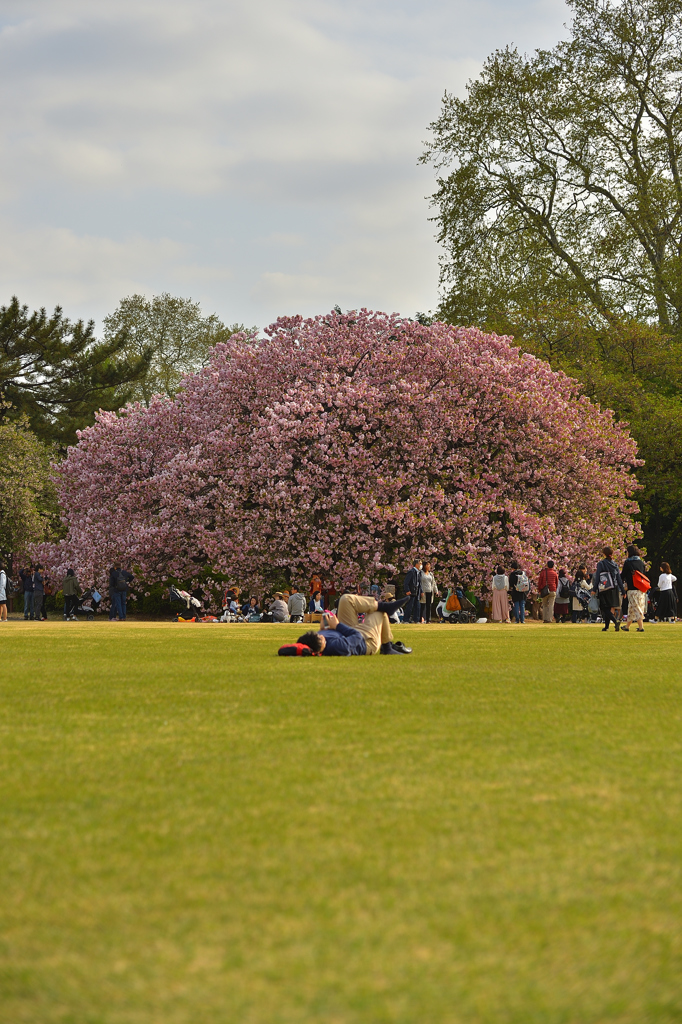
x=39, y=604
x=412, y=612
x=118, y=604
x=28, y=603
x=427, y=607
x=608, y=599
x=520, y=609
x=70, y=605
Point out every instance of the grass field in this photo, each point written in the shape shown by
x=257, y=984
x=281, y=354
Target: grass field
x=194, y=831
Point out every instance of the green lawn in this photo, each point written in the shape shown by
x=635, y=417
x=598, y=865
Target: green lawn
x=194, y=831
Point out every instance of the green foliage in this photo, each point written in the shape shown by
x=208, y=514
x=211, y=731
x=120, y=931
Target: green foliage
x=28, y=503
x=195, y=830
x=635, y=369
x=174, y=329
x=56, y=374
x=563, y=173
x=560, y=211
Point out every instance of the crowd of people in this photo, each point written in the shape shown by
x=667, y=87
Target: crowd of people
x=609, y=594
x=623, y=596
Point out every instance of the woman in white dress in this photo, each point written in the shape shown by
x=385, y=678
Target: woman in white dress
x=666, y=605
x=500, y=609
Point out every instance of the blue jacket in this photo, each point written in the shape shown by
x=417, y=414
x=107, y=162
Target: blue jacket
x=343, y=641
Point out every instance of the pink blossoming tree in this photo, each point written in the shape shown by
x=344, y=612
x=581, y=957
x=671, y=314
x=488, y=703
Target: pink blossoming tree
x=343, y=445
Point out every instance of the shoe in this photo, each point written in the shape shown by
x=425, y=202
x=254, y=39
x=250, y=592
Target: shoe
x=626, y=629
x=605, y=629
x=399, y=645
x=390, y=649
x=391, y=607
x=617, y=626
x=639, y=630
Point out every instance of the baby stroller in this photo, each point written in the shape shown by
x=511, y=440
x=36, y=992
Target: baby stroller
x=88, y=604
x=455, y=607
x=190, y=605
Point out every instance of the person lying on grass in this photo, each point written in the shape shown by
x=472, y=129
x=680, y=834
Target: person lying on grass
x=347, y=635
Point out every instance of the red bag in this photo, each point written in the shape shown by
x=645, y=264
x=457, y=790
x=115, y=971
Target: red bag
x=295, y=651
x=640, y=581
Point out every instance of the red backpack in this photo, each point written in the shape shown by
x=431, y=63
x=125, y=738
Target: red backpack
x=296, y=651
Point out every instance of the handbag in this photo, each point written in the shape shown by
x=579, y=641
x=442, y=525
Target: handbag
x=640, y=581
x=545, y=590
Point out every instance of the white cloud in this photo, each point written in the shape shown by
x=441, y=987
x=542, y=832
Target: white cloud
x=261, y=151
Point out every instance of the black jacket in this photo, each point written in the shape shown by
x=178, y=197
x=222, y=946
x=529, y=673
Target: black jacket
x=413, y=582
x=633, y=564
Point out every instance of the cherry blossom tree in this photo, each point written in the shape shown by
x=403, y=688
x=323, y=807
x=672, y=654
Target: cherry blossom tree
x=343, y=445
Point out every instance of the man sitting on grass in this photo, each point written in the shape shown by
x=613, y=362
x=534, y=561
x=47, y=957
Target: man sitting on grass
x=347, y=635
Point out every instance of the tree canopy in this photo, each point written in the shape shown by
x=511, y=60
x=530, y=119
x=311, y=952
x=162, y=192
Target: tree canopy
x=563, y=171
x=55, y=373
x=344, y=445
x=176, y=332
x=28, y=505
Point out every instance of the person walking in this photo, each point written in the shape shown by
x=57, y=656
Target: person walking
x=412, y=589
x=563, y=597
x=519, y=585
x=118, y=592
x=500, y=609
x=548, y=581
x=39, y=594
x=608, y=585
x=666, y=606
x=637, y=584
x=3, y=593
x=429, y=590
x=26, y=576
x=71, y=590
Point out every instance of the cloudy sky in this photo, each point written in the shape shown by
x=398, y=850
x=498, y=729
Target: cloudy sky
x=257, y=155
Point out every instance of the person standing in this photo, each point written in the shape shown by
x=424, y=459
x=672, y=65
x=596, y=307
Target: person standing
x=39, y=594
x=548, y=581
x=666, y=606
x=118, y=592
x=412, y=589
x=581, y=586
x=3, y=593
x=608, y=585
x=635, y=578
x=500, y=609
x=71, y=590
x=563, y=597
x=519, y=585
x=26, y=576
x=429, y=590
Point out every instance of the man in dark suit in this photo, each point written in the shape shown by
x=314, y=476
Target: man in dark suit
x=412, y=588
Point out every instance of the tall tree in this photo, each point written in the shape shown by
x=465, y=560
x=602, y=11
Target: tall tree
x=179, y=336
x=559, y=205
x=564, y=173
x=54, y=372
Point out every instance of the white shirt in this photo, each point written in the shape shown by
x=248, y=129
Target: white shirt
x=666, y=580
x=3, y=586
